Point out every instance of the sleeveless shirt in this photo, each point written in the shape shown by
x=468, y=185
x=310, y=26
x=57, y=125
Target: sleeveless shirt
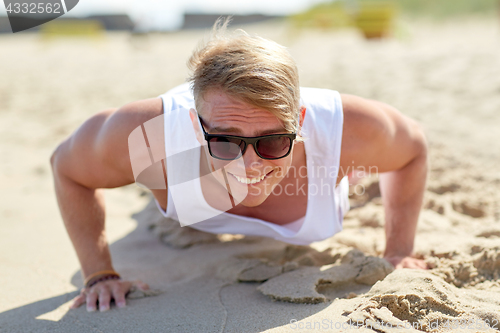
x=326, y=203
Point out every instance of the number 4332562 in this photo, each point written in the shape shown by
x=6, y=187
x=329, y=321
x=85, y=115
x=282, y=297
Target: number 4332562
x=34, y=8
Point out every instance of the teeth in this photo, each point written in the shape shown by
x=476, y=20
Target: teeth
x=250, y=180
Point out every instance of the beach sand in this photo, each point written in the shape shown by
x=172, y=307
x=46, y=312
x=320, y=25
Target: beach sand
x=446, y=76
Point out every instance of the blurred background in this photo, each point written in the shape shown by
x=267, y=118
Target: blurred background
x=433, y=60
x=156, y=15
x=437, y=61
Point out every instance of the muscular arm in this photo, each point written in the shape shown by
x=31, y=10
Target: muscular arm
x=376, y=135
x=96, y=156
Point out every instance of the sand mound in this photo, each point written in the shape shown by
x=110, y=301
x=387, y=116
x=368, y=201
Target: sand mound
x=481, y=265
x=414, y=298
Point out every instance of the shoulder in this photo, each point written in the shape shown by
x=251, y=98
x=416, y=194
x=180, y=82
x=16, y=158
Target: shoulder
x=364, y=120
x=114, y=132
x=96, y=155
x=375, y=133
x=132, y=115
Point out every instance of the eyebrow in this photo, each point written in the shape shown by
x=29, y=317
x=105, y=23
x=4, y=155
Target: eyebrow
x=235, y=130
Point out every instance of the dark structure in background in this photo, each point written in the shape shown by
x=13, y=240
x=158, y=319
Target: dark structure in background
x=123, y=21
x=204, y=21
x=109, y=22
x=114, y=22
x=5, y=25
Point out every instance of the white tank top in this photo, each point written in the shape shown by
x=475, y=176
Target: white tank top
x=326, y=203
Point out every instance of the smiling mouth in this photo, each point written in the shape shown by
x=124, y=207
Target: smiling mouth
x=248, y=181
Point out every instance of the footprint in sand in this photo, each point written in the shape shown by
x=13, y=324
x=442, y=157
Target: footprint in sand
x=445, y=188
x=435, y=203
x=467, y=207
x=354, y=273
x=264, y=265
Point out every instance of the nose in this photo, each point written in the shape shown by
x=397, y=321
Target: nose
x=251, y=159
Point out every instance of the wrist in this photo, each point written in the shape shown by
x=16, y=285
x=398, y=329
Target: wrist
x=91, y=267
x=396, y=247
x=99, y=276
x=95, y=281
x=398, y=253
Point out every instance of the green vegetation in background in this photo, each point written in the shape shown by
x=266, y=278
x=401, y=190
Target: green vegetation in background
x=336, y=14
x=448, y=8
x=327, y=15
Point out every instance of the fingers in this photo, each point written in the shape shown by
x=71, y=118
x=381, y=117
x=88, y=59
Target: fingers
x=92, y=300
x=103, y=292
x=412, y=263
x=141, y=285
x=77, y=301
x=104, y=298
x=118, y=293
x=420, y=264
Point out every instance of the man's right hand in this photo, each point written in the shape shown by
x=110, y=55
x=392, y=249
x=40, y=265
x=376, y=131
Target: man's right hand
x=105, y=291
x=96, y=156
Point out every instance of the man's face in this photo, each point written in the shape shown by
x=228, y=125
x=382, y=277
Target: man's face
x=223, y=114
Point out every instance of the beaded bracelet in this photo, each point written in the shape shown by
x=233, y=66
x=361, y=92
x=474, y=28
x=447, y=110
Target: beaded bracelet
x=103, y=278
x=97, y=275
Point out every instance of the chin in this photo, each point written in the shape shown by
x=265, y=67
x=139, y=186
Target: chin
x=256, y=195
x=253, y=201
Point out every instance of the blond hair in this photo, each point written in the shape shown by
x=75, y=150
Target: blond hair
x=252, y=69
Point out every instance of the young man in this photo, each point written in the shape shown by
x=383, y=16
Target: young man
x=243, y=150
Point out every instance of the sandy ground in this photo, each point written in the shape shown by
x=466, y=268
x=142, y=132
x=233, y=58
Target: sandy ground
x=445, y=75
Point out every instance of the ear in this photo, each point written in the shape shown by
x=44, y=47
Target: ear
x=196, y=126
x=302, y=116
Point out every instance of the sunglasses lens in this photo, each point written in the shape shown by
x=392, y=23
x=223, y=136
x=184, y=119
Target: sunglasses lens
x=274, y=147
x=226, y=148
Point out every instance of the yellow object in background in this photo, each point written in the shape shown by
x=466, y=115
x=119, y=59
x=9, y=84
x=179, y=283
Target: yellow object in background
x=375, y=19
x=72, y=28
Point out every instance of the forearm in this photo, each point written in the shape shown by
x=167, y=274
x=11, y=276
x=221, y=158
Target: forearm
x=82, y=210
x=402, y=193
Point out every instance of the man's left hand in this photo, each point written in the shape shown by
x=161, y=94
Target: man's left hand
x=407, y=262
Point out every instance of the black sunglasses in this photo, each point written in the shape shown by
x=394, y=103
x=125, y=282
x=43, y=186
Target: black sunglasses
x=231, y=147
